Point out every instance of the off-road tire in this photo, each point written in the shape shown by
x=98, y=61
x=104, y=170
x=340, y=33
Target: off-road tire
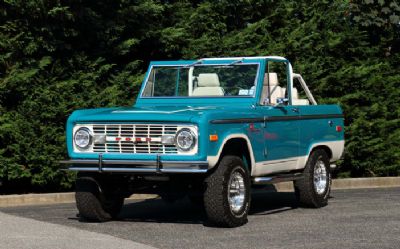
x=93, y=204
x=216, y=201
x=305, y=190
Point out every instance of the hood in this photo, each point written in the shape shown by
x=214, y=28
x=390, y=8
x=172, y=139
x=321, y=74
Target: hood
x=158, y=113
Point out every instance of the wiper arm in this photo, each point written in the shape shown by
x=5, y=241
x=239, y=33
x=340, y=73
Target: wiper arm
x=194, y=63
x=236, y=62
x=201, y=61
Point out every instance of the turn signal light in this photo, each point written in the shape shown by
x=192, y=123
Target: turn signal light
x=338, y=128
x=213, y=138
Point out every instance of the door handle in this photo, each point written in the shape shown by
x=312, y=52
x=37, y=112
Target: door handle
x=294, y=109
x=264, y=124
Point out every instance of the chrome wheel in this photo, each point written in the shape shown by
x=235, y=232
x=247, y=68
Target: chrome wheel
x=236, y=192
x=320, y=177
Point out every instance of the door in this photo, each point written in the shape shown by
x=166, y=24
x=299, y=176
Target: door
x=281, y=139
x=281, y=124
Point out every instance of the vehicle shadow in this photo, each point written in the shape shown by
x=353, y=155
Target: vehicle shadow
x=269, y=201
x=159, y=211
x=266, y=201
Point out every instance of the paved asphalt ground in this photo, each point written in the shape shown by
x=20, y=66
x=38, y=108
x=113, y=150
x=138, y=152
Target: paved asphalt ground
x=363, y=218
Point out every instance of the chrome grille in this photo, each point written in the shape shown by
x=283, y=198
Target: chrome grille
x=150, y=134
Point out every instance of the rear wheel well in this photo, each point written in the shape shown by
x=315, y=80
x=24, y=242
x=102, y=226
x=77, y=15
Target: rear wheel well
x=237, y=147
x=323, y=147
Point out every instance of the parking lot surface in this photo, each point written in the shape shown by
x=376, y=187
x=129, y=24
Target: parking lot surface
x=363, y=218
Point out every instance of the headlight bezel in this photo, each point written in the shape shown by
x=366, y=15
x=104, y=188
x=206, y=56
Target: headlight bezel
x=90, y=136
x=193, y=136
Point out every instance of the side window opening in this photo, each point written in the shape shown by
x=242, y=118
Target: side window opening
x=299, y=96
x=274, y=84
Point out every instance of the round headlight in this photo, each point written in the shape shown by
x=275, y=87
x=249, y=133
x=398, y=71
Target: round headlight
x=185, y=139
x=83, y=138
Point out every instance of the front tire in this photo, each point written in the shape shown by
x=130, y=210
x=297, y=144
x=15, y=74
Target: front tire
x=314, y=188
x=227, y=193
x=93, y=204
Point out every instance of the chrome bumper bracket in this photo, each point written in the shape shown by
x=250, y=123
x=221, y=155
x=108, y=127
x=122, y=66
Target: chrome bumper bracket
x=100, y=162
x=158, y=165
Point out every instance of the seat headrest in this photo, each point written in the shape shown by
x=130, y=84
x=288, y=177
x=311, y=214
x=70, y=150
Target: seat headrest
x=273, y=79
x=208, y=80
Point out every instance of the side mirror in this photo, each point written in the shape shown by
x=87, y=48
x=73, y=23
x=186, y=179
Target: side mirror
x=282, y=101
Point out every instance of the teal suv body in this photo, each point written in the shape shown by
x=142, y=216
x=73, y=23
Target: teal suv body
x=209, y=129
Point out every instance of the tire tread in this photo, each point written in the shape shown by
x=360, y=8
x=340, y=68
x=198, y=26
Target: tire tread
x=304, y=188
x=89, y=201
x=217, y=209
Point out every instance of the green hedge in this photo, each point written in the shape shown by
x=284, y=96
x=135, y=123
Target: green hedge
x=59, y=56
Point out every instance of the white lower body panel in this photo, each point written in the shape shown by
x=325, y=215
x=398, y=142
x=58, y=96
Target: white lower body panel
x=296, y=163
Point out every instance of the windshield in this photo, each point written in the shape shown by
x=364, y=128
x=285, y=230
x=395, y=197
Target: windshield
x=201, y=80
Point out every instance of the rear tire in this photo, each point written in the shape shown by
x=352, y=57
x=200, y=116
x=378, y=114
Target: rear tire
x=227, y=193
x=93, y=204
x=314, y=188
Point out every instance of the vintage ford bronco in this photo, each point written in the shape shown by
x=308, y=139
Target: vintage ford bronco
x=209, y=129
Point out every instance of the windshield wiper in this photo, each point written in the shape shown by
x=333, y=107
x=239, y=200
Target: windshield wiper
x=201, y=61
x=194, y=63
x=236, y=62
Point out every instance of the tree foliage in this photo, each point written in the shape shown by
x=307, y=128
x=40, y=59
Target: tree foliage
x=58, y=56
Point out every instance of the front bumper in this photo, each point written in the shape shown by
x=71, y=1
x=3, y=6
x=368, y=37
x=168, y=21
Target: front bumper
x=135, y=166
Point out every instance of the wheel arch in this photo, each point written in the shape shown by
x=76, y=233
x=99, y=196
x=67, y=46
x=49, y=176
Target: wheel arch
x=322, y=147
x=334, y=150
x=235, y=144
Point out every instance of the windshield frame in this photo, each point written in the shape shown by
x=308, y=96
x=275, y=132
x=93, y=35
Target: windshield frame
x=201, y=100
x=200, y=65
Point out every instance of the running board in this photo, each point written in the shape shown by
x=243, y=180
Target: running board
x=277, y=178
